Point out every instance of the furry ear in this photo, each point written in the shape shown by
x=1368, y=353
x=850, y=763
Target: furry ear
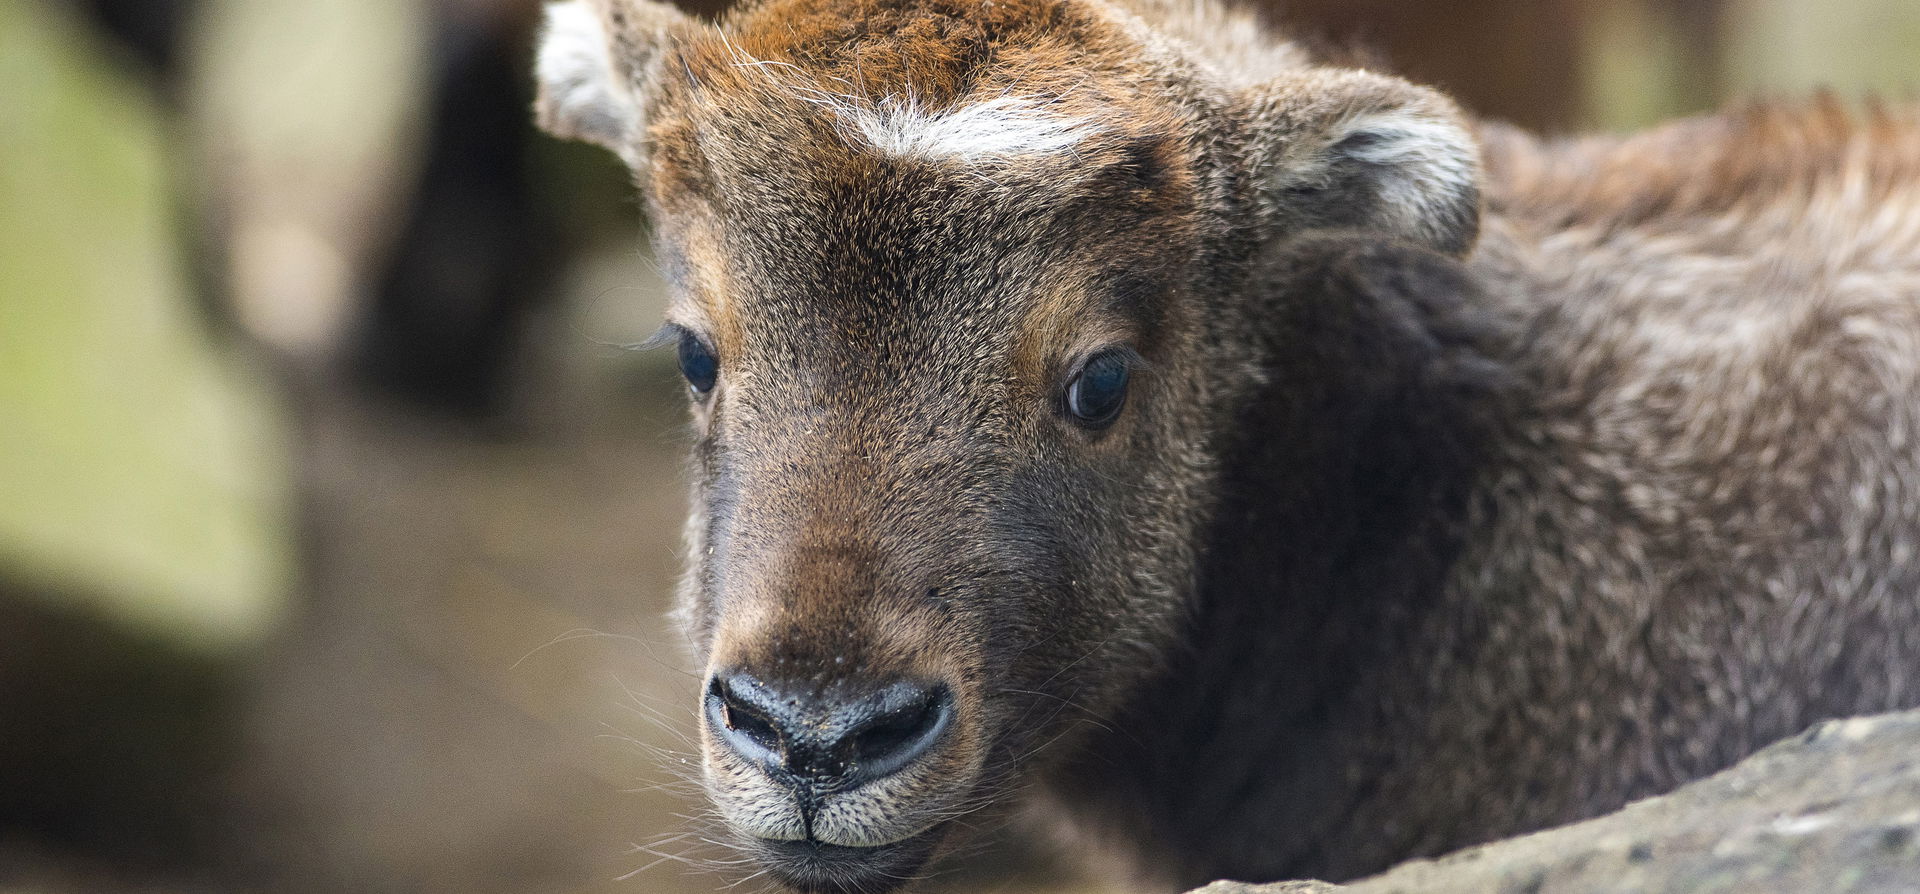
x=595, y=59
x=1348, y=149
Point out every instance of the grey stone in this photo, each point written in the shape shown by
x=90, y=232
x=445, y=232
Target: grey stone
x=1834, y=810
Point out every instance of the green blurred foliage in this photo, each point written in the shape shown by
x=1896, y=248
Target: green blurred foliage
x=1646, y=61
x=141, y=464
x=1855, y=47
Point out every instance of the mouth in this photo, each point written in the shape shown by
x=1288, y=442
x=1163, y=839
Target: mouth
x=812, y=867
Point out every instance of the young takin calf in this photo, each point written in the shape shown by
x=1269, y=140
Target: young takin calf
x=1101, y=403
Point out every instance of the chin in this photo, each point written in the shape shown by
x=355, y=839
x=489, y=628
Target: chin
x=810, y=867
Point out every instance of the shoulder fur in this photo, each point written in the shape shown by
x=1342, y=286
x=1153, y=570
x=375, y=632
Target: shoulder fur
x=1817, y=174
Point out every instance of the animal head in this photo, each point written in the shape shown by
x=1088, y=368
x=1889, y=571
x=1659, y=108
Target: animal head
x=954, y=294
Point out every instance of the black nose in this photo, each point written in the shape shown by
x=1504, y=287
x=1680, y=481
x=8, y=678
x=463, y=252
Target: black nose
x=839, y=740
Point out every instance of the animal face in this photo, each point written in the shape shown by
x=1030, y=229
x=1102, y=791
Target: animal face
x=920, y=433
x=948, y=301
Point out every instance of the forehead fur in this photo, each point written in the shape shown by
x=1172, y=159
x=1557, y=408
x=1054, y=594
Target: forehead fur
x=995, y=84
x=941, y=51
x=912, y=150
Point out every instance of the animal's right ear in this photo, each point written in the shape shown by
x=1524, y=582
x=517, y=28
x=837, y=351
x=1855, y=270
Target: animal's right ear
x=595, y=59
x=1348, y=149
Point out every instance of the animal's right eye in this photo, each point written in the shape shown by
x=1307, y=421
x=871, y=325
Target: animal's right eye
x=698, y=364
x=1098, y=391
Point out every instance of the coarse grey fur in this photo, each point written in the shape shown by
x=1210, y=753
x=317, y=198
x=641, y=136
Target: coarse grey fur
x=1687, y=528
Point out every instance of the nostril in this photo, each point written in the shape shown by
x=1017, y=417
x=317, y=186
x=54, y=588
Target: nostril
x=890, y=734
x=904, y=728
x=747, y=727
x=826, y=736
x=748, y=722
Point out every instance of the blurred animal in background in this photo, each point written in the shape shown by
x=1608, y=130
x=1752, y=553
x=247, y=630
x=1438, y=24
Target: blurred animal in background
x=1108, y=405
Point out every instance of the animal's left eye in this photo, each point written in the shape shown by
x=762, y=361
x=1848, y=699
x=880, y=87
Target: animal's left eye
x=1096, y=394
x=698, y=364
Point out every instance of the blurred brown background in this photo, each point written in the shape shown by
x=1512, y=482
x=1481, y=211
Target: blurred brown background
x=337, y=519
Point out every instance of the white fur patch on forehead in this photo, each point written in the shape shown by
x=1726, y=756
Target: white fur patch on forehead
x=997, y=129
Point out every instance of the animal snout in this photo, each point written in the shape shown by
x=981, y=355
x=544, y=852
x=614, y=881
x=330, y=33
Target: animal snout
x=837, y=738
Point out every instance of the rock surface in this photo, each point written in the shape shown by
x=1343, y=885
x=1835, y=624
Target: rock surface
x=1835, y=810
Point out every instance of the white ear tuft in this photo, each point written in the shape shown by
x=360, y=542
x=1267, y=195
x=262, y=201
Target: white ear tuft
x=1364, y=151
x=592, y=55
x=1425, y=170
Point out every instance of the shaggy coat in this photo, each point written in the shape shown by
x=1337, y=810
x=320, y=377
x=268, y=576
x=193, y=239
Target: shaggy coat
x=1467, y=483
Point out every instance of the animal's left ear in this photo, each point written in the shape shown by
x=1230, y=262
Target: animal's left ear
x=1355, y=150
x=596, y=57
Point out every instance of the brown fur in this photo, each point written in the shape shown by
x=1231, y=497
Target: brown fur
x=1737, y=167
x=1450, y=500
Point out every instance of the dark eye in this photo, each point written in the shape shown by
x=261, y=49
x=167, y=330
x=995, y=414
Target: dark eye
x=698, y=364
x=1099, y=390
